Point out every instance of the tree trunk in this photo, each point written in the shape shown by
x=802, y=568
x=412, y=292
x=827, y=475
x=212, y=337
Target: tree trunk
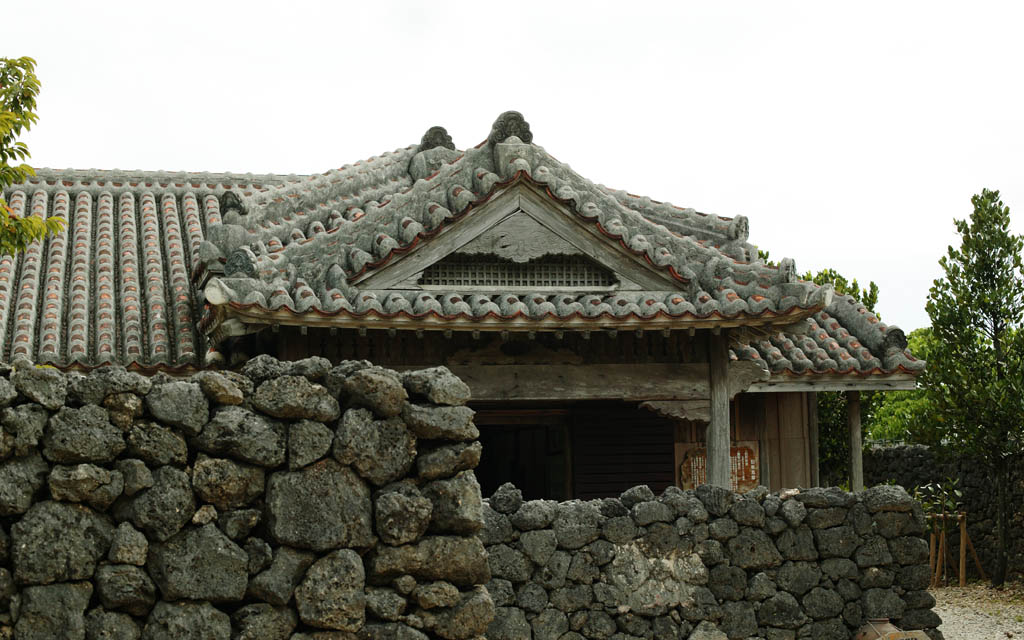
x=1002, y=543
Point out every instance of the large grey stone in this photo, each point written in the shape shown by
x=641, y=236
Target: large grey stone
x=534, y=514
x=717, y=500
x=110, y=625
x=461, y=561
x=739, y=620
x=836, y=542
x=457, y=507
x=128, y=546
x=166, y=507
x=7, y=392
x=538, y=545
x=747, y=512
x=308, y=441
x=753, y=549
x=549, y=624
x=376, y=390
x=321, y=507
x=82, y=435
x=331, y=595
x=261, y=621
x=276, y=584
x=26, y=423
x=440, y=423
x=226, y=484
x=156, y=445
x=106, y=381
x=125, y=587
x=798, y=577
x=508, y=563
x=219, y=388
x=180, y=404
x=382, y=451
x=793, y=512
x=436, y=594
x=238, y=433
x=371, y=631
x=199, y=564
x=909, y=550
x=58, y=542
x=437, y=385
x=509, y=624
x=402, y=515
x=387, y=604
x=86, y=483
x=20, y=480
x=468, y=618
x=887, y=497
x=882, y=603
x=296, y=398
x=264, y=367
x=798, y=544
x=447, y=460
x=136, y=474
x=53, y=611
x=781, y=610
x=619, y=530
x=727, y=583
x=44, y=385
x=496, y=529
x=507, y=499
x=822, y=603
x=873, y=552
x=186, y=621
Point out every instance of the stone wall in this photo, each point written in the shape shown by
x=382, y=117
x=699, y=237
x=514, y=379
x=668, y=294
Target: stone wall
x=706, y=565
x=915, y=465
x=275, y=503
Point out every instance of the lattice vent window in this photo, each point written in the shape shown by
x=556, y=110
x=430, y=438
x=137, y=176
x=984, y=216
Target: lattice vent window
x=490, y=272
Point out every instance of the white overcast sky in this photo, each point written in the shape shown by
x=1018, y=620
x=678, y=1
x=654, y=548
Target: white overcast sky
x=850, y=134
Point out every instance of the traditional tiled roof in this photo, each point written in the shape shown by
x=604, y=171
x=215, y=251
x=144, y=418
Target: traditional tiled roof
x=114, y=286
x=301, y=247
x=154, y=265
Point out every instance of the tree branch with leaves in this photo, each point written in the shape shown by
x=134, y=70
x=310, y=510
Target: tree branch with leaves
x=19, y=88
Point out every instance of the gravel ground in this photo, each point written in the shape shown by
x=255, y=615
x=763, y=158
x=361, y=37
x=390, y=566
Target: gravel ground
x=978, y=612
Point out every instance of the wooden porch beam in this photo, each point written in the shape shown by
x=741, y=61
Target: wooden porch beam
x=718, y=461
x=856, y=446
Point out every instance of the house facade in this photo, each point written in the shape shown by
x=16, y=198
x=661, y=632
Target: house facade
x=609, y=339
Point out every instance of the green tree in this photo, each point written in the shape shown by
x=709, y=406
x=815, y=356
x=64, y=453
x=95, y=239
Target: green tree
x=19, y=87
x=975, y=377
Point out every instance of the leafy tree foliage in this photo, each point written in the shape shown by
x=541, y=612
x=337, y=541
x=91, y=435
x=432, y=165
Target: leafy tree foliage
x=975, y=377
x=19, y=87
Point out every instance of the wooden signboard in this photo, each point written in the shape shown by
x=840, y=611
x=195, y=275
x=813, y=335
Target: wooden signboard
x=692, y=470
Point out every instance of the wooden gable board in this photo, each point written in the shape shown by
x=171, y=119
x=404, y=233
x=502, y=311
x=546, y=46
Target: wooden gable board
x=517, y=201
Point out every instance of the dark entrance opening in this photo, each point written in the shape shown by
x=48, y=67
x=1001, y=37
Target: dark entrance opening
x=530, y=449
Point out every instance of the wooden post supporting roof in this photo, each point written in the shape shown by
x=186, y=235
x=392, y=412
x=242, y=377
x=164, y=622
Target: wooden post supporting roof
x=856, y=447
x=718, y=460
x=812, y=438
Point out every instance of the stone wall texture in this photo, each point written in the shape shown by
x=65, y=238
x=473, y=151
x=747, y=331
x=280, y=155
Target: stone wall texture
x=915, y=465
x=294, y=500
x=708, y=564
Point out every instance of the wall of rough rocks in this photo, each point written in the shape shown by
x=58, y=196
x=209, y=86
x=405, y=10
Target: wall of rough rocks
x=915, y=465
x=280, y=502
x=706, y=565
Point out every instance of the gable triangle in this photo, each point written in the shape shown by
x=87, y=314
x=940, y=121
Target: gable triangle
x=520, y=226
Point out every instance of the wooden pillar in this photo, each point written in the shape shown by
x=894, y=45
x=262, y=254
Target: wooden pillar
x=718, y=471
x=812, y=437
x=856, y=447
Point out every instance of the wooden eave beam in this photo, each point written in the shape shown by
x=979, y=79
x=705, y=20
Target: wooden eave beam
x=432, y=322
x=783, y=383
